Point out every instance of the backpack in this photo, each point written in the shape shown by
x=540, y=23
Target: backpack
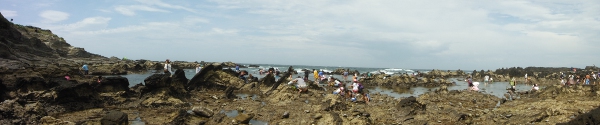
x=360, y=86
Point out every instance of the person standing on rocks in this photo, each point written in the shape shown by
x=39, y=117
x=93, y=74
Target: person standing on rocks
x=306, y=72
x=587, y=79
x=167, y=68
x=198, y=68
x=237, y=68
x=595, y=79
x=345, y=76
x=85, y=69
x=316, y=75
x=242, y=74
x=513, y=84
x=526, y=80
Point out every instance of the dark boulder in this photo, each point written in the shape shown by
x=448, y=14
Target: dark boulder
x=138, y=67
x=69, y=91
x=164, y=82
x=157, y=81
x=201, y=76
x=113, y=84
x=268, y=80
x=115, y=118
x=3, y=90
x=179, y=77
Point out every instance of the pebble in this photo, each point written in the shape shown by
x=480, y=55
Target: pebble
x=307, y=111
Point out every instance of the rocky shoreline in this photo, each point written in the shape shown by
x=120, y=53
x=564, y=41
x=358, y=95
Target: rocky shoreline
x=211, y=94
x=33, y=90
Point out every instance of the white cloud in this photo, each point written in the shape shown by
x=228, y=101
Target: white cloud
x=130, y=10
x=51, y=16
x=91, y=23
x=9, y=13
x=165, y=5
x=376, y=33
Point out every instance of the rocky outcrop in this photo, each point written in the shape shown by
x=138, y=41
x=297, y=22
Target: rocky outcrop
x=340, y=71
x=112, y=84
x=214, y=77
x=405, y=81
x=162, y=91
x=67, y=92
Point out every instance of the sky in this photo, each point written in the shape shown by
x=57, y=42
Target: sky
x=416, y=34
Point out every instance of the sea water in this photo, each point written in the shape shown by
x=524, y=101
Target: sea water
x=189, y=73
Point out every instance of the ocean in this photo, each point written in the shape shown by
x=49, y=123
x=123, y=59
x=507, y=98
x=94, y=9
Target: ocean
x=496, y=88
x=189, y=73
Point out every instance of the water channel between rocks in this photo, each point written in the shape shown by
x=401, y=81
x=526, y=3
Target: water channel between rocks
x=495, y=88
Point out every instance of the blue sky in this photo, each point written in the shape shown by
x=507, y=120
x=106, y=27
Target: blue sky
x=422, y=34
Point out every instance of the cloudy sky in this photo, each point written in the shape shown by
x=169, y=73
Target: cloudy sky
x=440, y=34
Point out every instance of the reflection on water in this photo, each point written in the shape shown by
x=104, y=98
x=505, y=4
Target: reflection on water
x=137, y=121
x=245, y=96
x=497, y=89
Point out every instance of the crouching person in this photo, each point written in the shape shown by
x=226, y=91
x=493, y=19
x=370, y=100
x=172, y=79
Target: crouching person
x=300, y=84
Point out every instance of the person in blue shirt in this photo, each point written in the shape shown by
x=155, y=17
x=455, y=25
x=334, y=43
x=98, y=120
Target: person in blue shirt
x=237, y=68
x=85, y=69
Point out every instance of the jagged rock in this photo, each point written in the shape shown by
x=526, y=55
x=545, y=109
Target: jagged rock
x=179, y=76
x=115, y=118
x=156, y=81
x=113, y=84
x=229, y=93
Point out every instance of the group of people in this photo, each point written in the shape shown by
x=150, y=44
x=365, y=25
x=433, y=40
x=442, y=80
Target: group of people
x=355, y=92
x=474, y=86
x=577, y=79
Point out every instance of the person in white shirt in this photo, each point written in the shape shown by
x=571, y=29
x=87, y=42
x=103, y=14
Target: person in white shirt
x=198, y=68
x=337, y=83
x=535, y=87
x=167, y=68
x=339, y=91
x=486, y=78
x=300, y=84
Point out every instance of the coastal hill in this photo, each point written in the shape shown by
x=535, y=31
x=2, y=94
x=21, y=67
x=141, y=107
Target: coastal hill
x=29, y=44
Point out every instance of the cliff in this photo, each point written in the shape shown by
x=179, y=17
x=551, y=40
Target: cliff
x=29, y=44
